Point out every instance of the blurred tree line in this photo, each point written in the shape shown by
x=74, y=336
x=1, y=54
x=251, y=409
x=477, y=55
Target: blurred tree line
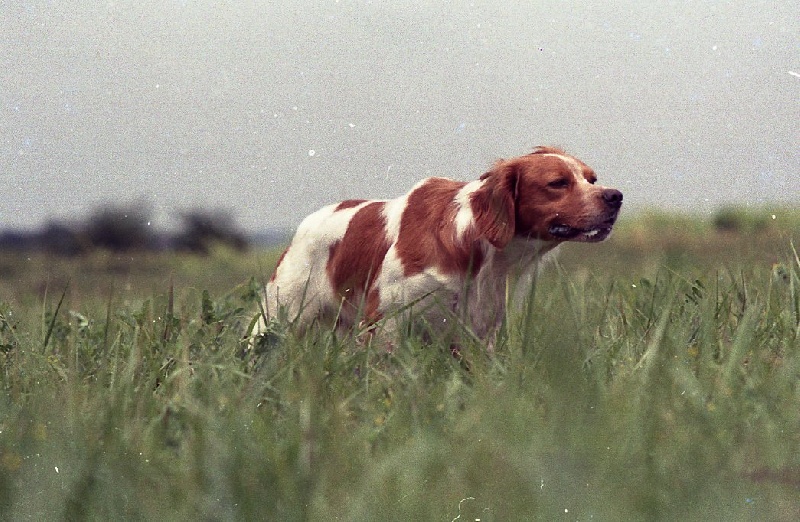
x=127, y=228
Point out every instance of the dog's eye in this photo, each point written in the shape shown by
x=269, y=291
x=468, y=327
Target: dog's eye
x=559, y=183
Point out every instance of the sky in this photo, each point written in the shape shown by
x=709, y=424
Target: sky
x=270, y=109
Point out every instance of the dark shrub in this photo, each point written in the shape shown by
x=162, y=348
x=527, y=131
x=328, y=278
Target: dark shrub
x=202, y=229
x=738, y=219
x=120, y=229
x=62, y=239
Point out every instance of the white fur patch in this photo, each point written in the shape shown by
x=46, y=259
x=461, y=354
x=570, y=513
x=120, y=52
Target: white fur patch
x=464, y=216
x=393, y=212
x=301, y=282
x=574, y=167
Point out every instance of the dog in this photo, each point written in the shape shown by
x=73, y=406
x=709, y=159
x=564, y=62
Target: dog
x=445, y=249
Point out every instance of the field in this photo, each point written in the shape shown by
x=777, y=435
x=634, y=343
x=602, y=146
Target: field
x=654, y=376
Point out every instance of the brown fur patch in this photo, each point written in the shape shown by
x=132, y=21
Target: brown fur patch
x=538, y=204
x=355, y=260
x=428, y=233
x=494, y=203
x=348, y=203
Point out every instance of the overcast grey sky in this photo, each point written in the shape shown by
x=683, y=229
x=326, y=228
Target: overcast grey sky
x=274, y=108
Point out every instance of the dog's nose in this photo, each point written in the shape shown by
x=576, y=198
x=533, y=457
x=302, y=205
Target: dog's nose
x=612, y=198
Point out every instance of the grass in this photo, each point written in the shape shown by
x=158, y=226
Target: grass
x=657, y=378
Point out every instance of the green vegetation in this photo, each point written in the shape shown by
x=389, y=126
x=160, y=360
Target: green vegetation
x=657, y=377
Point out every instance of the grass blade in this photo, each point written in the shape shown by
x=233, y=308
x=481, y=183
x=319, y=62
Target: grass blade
x=52, y=324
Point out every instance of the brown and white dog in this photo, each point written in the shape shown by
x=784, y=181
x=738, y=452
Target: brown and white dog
x=445, y=248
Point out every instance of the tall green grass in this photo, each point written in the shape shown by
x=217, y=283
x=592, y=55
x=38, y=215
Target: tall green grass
x=667, y=391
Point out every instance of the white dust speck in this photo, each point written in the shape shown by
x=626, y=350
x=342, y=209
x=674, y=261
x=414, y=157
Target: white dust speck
x=311, y=152
x=351, y=125
x=714, y=48
x=795, y=74
x=56, y=469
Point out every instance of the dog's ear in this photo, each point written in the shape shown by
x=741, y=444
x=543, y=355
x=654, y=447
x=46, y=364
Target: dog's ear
x=494, y=204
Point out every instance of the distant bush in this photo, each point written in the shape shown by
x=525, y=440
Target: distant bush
x=740, y=219
x=202, y=229
x=61, y=239
x=127, y=228
x=120, y=229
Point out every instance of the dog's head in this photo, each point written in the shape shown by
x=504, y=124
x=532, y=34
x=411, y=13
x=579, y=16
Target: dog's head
x=547, y=195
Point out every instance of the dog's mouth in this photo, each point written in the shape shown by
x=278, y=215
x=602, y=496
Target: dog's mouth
x=587, y=235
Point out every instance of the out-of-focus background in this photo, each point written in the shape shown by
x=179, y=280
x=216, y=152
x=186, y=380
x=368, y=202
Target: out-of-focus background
x=250, y=115
x=653, y=376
